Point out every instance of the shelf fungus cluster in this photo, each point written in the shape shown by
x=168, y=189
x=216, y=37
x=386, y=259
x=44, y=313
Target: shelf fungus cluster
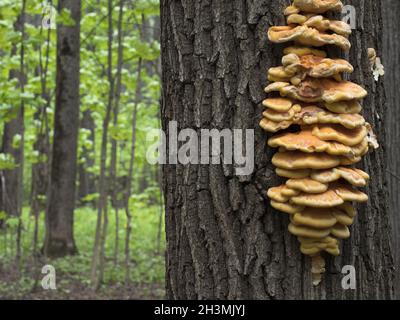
x=320, y=133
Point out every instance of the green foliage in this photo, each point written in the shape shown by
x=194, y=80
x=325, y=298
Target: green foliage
x=91, y=197
x=16, y=141
x=148, y=7
x=64, y=18
x=38, y=100
x=94, y=39
x=147, y=258
x=12, y=222
x=3, y=215
x=6, y=162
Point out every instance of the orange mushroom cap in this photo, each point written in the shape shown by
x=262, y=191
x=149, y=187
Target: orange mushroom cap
x=342, y=217
x=323, y=67
x=348, y=193
x=315, y=115
x=310, y=115
x=291, y=10
x=275, y=194
x=272, y=126
x=348, y=208
x=319, y=90
x=321, y=23
x=328, y=199
x=340, y=231
x=308, y=65
x=303, y=51
x=316, y=218
x=344, y=107
x=294, y=160
x=286, y=207
x=307, y=185
x=307, y=36
x=318, y=6
x=290, y=192
x=282, y=116
x=304, y=231
x=278, y=104
x=355, y=177
x=306, y=142
x=324, y=24
x=340, y=134
x=293, y=174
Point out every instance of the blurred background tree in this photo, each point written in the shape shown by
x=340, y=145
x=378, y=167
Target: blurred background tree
x=79, y=159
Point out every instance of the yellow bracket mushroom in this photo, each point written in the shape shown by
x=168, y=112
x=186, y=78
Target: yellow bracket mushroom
x=319, y=90
x=307, y=36
x=320, y=23
x=318, y=6
x=328, y=135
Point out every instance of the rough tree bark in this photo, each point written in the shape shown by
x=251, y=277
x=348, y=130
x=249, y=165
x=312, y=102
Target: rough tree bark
x=223, y=238
x=59, y=240
x=391, y=61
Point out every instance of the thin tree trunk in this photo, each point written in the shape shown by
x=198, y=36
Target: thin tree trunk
x=128, y=192
x=159, y=178
x=20, y=190
x=59, y=240
x=40, y=171
x=102, y=214
x=161, y=208
x=391, y=61
x=116, y=244
x=86, y=178
x=223, y=238
x=157, y=35
x=114, y=142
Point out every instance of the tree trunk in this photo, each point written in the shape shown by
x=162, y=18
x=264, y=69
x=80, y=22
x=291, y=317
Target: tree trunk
x=128, y=190
x=224, y=241
x=40, y=171
x=391, y=61
x=114, y=142
x=59, y=239
x=86, y=178
x=11, y=180
x=98, y=258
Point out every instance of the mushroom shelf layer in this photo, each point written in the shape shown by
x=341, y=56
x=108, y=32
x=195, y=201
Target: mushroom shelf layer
x=319, y=131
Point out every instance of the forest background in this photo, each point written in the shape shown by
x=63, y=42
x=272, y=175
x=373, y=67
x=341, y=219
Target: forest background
x=119, y=94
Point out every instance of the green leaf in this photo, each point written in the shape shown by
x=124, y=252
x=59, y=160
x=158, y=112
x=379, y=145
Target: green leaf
x=16, y=142
x=12, y=222
x=64, y=18
x=3, y=215
x=91, y=197
x=7, y=162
